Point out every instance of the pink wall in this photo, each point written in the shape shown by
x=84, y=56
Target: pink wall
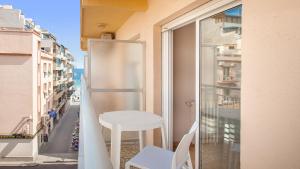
x=18, y=89
x=8, y=42
x=15, y=90
x=16, y=79
x=270, y=85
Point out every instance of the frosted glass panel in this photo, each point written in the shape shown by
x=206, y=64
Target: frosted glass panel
x=116, y=73
x=116, y=64
x=115, y=101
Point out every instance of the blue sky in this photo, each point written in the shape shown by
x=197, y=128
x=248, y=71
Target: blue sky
x=60, y=17
x=236, y=11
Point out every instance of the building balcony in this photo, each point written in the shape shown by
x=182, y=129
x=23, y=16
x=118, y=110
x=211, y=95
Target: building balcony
x=46, y=54
x=57, y=82
x=58, y=94
x=57, y=66
x=70, y=79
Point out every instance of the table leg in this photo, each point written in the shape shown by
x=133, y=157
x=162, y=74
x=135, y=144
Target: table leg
x=115, y=150
x=141, y=140
x=163, y=136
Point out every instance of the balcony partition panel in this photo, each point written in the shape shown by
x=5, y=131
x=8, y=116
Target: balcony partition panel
x=116, y=76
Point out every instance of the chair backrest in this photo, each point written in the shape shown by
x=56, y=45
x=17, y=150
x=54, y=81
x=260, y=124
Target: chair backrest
x=182, y=151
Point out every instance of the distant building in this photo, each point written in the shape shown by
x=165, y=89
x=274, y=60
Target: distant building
x=62, y=63
x=32, y=84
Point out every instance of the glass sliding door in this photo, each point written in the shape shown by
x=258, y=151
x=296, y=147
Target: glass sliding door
x=220, y=75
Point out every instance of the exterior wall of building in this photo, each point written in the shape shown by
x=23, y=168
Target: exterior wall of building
x=63, y=81
x=270, y=85
x=59, y=81
x=21, y=148
x=16, y=79
x=11, y=18
x=69, y=74
x=35, y=61
x=18, y=88
x=142, y=24
x=46, y=83
x=8, y=42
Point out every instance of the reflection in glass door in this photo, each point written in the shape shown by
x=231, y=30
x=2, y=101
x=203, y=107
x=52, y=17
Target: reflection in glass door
x=220, y=46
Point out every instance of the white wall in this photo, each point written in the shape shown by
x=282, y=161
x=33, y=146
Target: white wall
x=35, y=55
x=16, y=148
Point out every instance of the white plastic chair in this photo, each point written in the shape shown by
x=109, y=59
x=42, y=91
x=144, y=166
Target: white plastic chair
x=157, y=158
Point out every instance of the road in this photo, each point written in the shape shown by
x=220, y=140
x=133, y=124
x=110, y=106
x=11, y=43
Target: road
x=61, y=137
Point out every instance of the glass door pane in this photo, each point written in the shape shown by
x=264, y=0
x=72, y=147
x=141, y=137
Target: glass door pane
x=220, y=40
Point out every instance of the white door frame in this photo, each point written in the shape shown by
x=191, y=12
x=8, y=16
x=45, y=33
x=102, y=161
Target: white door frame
x=167, y=85
x=209, y=9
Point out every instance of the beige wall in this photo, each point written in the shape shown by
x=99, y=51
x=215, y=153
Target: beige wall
x=184, y=73
x=270, y=85
x=143, y=24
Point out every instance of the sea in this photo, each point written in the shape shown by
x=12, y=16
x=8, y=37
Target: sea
x=76, y=76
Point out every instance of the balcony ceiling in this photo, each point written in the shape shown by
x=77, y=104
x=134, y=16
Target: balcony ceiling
x=99, y=16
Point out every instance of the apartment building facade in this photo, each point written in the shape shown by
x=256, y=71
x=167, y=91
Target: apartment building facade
x=20, y=86
x=28, y=86
x=63, y=81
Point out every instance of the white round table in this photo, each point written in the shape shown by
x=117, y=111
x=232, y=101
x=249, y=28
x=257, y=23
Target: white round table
x=119, y=121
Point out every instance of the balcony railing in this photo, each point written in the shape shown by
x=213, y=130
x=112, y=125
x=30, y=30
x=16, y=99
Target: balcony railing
x=92, y=150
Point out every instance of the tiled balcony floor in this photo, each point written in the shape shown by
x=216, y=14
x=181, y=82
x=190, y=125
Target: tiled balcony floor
x=128, y=150
x=214, y=155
